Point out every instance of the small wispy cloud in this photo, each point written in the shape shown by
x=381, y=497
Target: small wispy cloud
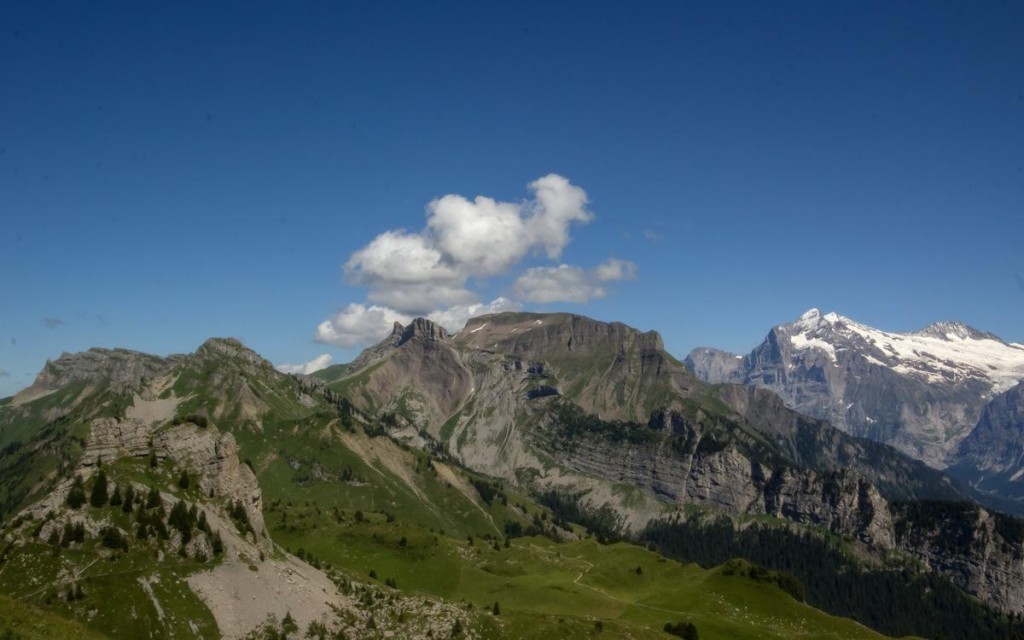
x=4, y=373
x=651, y=235
x=566, y=283
x=52, y=323
x=314, y=365
x=1020, y=281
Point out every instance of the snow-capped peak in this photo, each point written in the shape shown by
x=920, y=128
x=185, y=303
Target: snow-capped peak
x=954, y=331
x=944, y=352
x=813, y=320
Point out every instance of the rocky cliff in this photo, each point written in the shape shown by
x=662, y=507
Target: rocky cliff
x=991, y=458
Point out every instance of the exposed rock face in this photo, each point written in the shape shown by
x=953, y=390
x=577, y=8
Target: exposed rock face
x=608, y=369
x=110, y=438
x=920, y=392
x=379, y=350
x=419, y=377
x=203, y=451
x=980, y=551
x=729, y=481
x=815, y=444
x=991, y=458
x=119, y=368
x=214, y=456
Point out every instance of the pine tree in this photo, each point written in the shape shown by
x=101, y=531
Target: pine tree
x=183, y=481
x=288, y=625
x=496, y=610
x=98, y=497
x=153, y=499
x=115, y=498
x=129, y=499
x=76, y=497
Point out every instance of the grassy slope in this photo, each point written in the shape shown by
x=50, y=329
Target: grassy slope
x=38, y=573
x=549, y=590
x=25, y=622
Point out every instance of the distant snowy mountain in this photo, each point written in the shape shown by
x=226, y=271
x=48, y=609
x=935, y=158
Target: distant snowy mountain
x=921, y=392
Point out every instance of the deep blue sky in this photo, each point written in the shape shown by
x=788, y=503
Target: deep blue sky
x=173, y=171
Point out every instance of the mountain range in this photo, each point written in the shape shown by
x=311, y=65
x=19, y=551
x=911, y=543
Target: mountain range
x=935, y=394
x=392, y=494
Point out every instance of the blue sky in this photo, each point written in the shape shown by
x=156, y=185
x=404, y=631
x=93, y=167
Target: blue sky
x=174, y=171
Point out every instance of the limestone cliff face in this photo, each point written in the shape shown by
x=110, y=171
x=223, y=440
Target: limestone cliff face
x=980, y=551
x=415, y=374
x=728, y=479
x=608, y=369
x=208, y=454
x=119, y=369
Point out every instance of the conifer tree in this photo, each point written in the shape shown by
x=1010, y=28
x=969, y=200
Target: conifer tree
x=98, y=497
x=76, y=497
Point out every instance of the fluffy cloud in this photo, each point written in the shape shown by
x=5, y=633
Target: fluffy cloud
x=397, y=257
x=417, y=273
x=316, y=364
x=482, y=237
x=566, y=283
x=454, y=318
x=358, y=325
x=557, y=204
x=52, y=323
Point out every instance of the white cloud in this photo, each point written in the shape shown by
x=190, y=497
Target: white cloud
x=614, y=269
x=316, y=364
x=557, y=204
x=454, y=318
x=397, y=257
x=482, y=237
x=417, y=273
x=566, y=283
x=557, y=284
x=358, y=325
x=4, y=374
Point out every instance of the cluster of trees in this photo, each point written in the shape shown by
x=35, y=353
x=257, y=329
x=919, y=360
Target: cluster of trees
x=574, y=421
x=605, y=523
x=898, y=602
x=489, y=491
x=151, y=519
x=197, y=419
x=241, y=518
x=684, y=630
